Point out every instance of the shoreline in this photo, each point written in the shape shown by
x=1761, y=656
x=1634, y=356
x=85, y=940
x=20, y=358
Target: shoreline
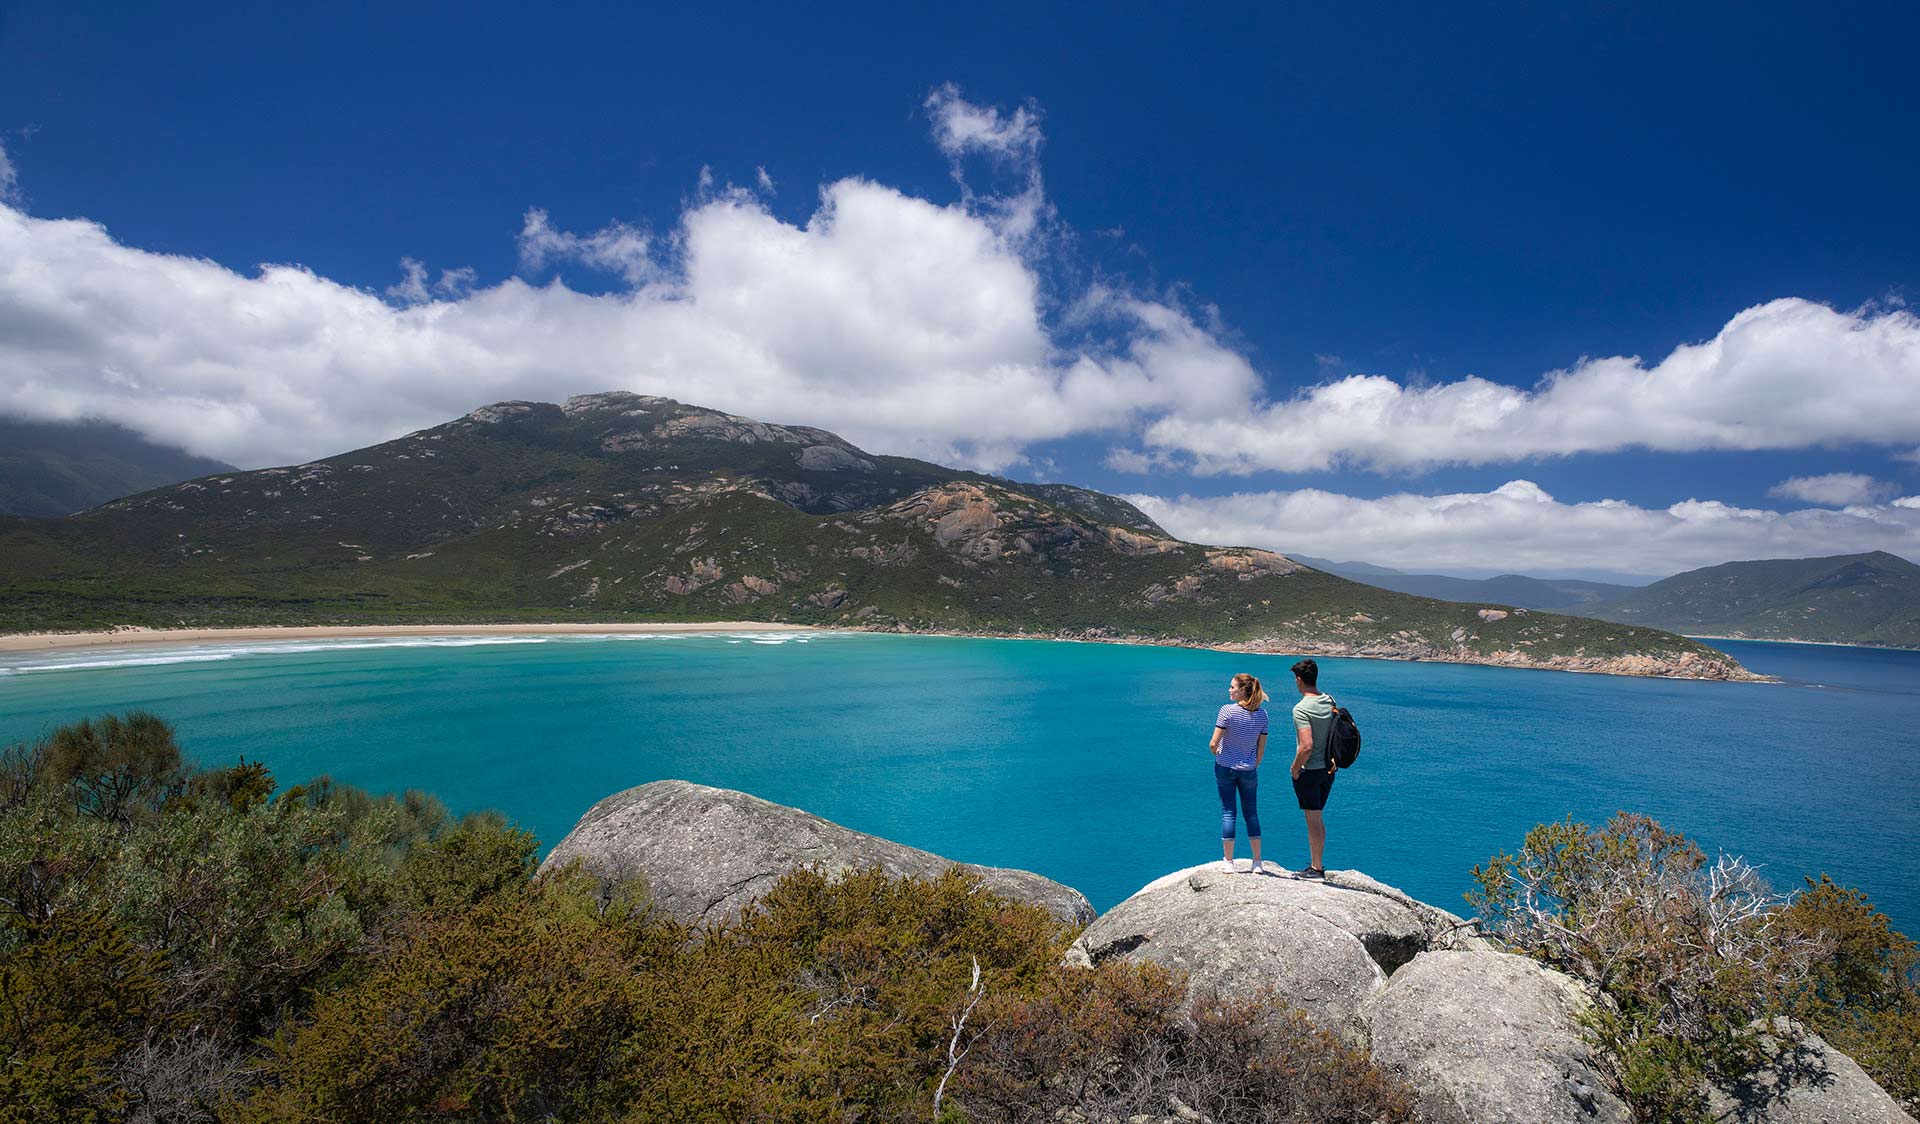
x=1812, y=643
x=134, y=637
x=1569, y=666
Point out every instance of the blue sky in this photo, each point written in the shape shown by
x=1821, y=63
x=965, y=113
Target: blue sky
x=1141, y=218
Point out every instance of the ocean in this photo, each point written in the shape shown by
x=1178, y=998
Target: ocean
x=1087, y=763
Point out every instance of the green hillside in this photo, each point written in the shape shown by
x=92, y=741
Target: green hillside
x=621, y=507
x=1847, y=599
x=49, y=468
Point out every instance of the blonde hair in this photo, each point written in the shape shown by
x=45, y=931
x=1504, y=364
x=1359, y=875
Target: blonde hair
x=1251, y=697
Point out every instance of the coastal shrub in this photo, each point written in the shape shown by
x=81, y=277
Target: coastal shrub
x=73, y=996
x=251, y=907
x=476, y=859
x=1085, y=1040
x=1695, y=958
x=116, y=766
x=838, y=996
x=528, y=1005
x=1116, y=1042
x=1863, y=994
x=245, y=905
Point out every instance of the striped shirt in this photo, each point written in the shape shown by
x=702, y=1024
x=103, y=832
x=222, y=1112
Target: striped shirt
x=1239, y=748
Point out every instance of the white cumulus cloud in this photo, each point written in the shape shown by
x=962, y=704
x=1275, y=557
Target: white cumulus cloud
x=615, y=248
x=908, y=326
x=1787, y=374
x=1518, y=527
x=1836, y=489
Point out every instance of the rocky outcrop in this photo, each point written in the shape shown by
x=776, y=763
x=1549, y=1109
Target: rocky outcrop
x=1249, y=564
x=1482, y=1036
x=1326, y=947
x=830, y=458
x=1489, y=1038
x=1806, y=1081
x=1669, y=665
x=1137, y=544
x=705, y=853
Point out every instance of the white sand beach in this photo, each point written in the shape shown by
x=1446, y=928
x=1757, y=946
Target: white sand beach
x=46, y=641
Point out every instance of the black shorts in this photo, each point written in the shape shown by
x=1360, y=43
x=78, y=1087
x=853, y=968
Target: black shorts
x=1311, y=787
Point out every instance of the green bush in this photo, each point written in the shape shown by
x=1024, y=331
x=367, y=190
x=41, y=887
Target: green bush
x=243, y=905
x=114, y=767
x=1115, y=1043
x=1694, y=960
x=74, y=996
x=1863, y=995
x=524, y=1006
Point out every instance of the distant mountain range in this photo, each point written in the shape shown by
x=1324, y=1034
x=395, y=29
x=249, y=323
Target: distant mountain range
x=1506, y=589
x=57, y=468
x=624, y=507
x=1848, y=598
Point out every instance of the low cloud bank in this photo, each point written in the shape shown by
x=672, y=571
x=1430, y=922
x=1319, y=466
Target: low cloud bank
x=1519, y=528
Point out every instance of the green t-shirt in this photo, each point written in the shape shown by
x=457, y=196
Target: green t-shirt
x=1315, y=712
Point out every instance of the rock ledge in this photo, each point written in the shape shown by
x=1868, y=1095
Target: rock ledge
x=706, y=853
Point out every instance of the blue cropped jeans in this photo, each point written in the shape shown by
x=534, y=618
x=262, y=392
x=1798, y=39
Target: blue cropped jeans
x=1244, y=784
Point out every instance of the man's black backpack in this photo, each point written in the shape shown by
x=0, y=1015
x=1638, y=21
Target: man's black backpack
x=1343, y=738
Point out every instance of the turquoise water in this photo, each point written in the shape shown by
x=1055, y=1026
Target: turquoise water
x=1085, y=762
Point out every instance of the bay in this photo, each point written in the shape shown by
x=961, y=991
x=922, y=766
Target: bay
x=1084, y=762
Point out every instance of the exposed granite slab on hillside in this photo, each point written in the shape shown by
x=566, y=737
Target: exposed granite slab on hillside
x=1806, y=1082
x=1489, y=1038
x=706, y=853
x=1323, y=946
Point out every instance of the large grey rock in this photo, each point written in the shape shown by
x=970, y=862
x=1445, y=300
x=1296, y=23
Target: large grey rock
x=705, y=853
x=830, y=458
x=1323, y=946
x=1489, y=1038
x=1806, y=1082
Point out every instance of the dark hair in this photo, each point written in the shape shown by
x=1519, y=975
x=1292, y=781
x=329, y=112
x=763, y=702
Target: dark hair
x=1309, y=672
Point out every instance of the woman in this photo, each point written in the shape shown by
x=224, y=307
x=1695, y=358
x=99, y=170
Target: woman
x=1239, y=742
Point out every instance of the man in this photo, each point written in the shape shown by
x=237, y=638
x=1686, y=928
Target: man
x=1313, y=767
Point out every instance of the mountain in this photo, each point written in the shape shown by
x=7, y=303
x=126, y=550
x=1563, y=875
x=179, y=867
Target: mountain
x=1506, y=589
x=624, y=507
x=1354, y=570
x=55, y=468
x=1845, y=599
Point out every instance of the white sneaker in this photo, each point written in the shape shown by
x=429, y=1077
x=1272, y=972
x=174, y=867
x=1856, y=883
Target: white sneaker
x=1256, y=868
x=1226, y=866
